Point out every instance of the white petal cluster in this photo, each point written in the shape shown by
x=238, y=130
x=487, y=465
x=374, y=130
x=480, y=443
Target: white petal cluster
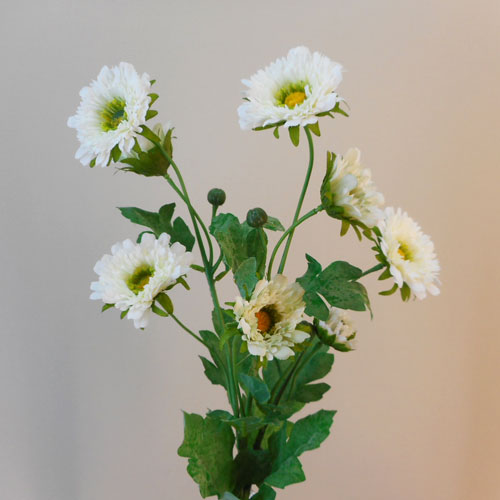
x=339, y=329
x=269, y=319
x=409, y=252
x=160, y=129
x=352, y=188
x=112, y=109
x=135, y=273
x=313, y=75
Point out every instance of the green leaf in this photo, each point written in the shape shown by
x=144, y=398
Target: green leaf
x=151, y=113
x=318, y=367
x=311, y=392
x=123, y=314
x=265, y=493
x=308, y=433
x=142, y=217
x=158, y=311
x=283, y=411
x=164, y=300
x=276, y=133
x=116, y=153
x=336, y=284
x=105, y=307
x=252, y=467
x=153, y=97
x=245, y=277
x=290, y=472
x=229, y=332
x=390, y=291
x=314, y=128
x=231, y=236
x=257, y=247
x=294, y=133
x=273, y=224
x=257, y=387
x=214, y=374
x=208, y=444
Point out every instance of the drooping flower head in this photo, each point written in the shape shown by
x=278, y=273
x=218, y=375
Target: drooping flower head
x=291, y=91
x=269, y=319
x=135, y=273
x=112, y=109
x=337, y=331
x=408, y=253
x=348, y=191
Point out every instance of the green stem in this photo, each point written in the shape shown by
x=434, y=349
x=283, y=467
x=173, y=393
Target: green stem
x=309, y=214
x=183, y=326
x=232, y=384
x=373, y=269
x=301, y=198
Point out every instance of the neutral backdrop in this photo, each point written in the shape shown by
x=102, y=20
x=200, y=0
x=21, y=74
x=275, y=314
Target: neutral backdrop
x=90, y=408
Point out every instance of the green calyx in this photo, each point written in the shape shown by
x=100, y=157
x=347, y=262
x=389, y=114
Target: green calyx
x=291, y=94
x=113, y=114
x=140, y=278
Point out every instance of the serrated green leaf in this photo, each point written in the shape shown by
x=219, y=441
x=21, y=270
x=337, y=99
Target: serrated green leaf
x=294, y=133
x=142, y=217
x=311, y=392
x=318, y=367
x=257, y=387
x=289, y=472
x=208, y=444
x=213, y=373
x=245, y=277
x=309, y=432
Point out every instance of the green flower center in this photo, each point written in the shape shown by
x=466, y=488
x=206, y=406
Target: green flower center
x=267, y=317
x=291, y=94
x=113, y=114
x=404, y=251
x=140, y=278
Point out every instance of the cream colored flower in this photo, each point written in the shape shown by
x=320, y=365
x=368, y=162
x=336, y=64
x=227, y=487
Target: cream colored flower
x=110, y=114
x=269, y=319
x=349, y=186
x=409, y=253
x=134, y=274
x=338, y=331
x=292, y=90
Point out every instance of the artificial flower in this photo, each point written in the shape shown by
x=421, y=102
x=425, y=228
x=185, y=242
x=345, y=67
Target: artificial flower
x=291, y=91
x=348, y=191
x=338, y=330
x=409, y=253
x=135, y=273
x=112, y=109
x=269, y=319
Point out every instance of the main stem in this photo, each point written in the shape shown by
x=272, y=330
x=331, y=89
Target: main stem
x=309, y=214
x=232, y=385
x=301, y=199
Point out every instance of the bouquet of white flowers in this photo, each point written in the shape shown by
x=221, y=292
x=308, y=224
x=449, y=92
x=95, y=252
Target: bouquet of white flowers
x=270, y=346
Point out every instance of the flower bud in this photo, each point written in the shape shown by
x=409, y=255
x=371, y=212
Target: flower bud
x=256, y=217
x=216, y=197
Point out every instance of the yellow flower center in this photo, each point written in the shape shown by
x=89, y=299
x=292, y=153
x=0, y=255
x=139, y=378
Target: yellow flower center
x=264, y=321
x=113, y=114
x=404, y=251
x=295, y=98
x=140, y=278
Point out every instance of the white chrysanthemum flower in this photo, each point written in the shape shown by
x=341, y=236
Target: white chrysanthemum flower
x=135, y=273
x=350, y=186
x=409, y=253
x=160, y=129
x=111, y=112
x=293, y=90
x=269, y=319
x=338, y=330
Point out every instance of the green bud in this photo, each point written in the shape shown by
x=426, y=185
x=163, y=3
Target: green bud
x=256, y=217
x=216, y=197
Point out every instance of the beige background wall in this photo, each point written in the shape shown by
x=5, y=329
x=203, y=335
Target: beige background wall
x=89, y=407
